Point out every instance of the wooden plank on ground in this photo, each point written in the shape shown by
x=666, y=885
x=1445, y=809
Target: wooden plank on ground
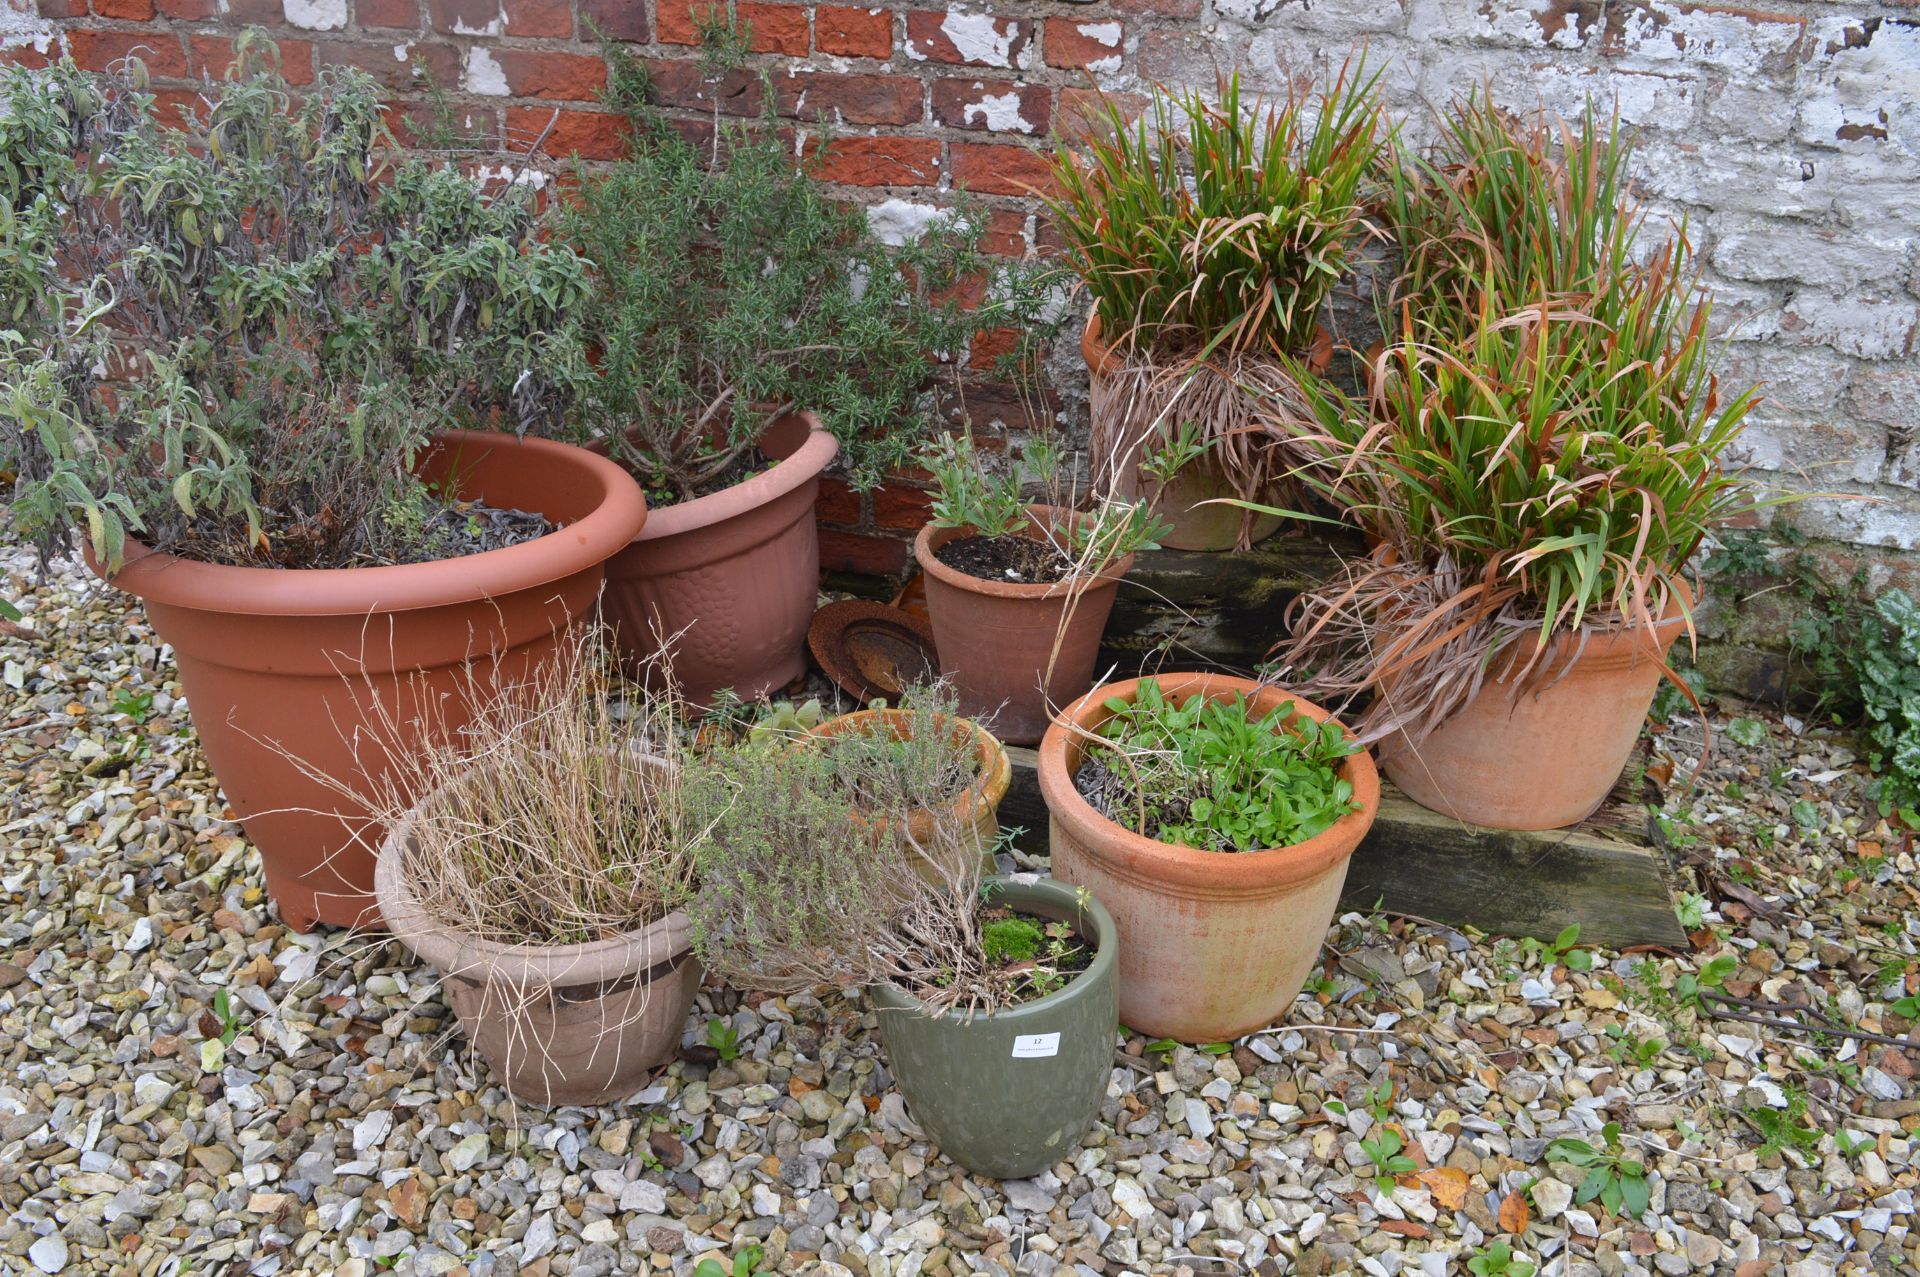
x=1605, y=875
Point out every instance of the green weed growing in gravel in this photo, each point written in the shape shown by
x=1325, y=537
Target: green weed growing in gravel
x=1618, y=1182
x=724, y=1039
x=745, y=1264
x=1498, y=1260
x=1783, y=1130
x=1383, y=1150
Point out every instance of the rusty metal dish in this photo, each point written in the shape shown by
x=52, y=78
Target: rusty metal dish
x=872, y=651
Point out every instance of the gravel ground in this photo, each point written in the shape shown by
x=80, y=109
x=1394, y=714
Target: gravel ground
x=345, y=1127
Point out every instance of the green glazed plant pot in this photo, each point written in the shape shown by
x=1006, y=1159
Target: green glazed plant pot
x=1010, y=1094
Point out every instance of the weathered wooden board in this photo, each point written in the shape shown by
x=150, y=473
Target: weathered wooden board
x=1180, y=609
x=1605, y=874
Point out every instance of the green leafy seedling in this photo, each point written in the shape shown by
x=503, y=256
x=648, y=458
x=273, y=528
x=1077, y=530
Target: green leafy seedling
x=1747, y=731
x=135, y=705
x=1561, y=949
x=1616, y=1181
x=1498, y=1260
x=745, y=1264
x=223, y=1010
x=1383, y=1150
x=1691, y=911
x=1852, y=1143
x=1690, y=985
x=724, y=1039
x=1783, y=1129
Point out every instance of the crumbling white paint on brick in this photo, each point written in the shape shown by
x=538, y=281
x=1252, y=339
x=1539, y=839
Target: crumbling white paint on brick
x=1864, y=327
x=1108, y=35
x=492, y=26
x=1862, y=86
x=898, y=221
x=315, y=15
x=1731, y=41
x=483, y=74
x=21, y=26
x=512, y=175
x=977, y=37
x=999, y=112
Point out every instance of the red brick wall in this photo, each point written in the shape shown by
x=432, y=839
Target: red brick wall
x=1787, y=136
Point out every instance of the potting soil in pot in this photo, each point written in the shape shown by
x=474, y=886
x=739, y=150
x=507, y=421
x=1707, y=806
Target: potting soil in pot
x=1005, y=559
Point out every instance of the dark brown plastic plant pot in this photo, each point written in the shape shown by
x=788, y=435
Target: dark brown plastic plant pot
x=996, y=638
x=729, y=579
x=307, y=665
x=562, y=1023
x=1184, y=503
x=872, y=651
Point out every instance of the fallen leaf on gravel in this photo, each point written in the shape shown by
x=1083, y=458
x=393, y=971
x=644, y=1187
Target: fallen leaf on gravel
x=1448, y=1184
x=1514, y=1215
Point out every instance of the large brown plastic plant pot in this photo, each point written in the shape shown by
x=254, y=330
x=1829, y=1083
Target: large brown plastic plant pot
x=1543, y=753
x=735, y=575
x=294, y=676
x=563, y=1023
x=1213, y=944
x=996, y=638
x=975, y=814
x=1181, y=502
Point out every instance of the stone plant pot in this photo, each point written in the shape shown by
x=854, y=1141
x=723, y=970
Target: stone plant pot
x=1214, y=944
x=735, y=574
x=1542, y=754
x=1010, y=1094
x=996, y=638
x=977, y=810
x=560, y=1024
x=1182, y=502
x=347, y=668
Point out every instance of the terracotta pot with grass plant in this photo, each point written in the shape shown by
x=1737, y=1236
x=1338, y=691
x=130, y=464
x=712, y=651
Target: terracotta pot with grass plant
x=1540, y=458
x=1215, y=818
x=280, y=437
x=1018, y=595
x=541, y=875
x=753, y=329
x=981, y=989
x=1209, y=235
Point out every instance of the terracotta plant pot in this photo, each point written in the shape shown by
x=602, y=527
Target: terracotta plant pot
x=735, y=575
x=1010, y=1094
x=1196, y=526
x=995, y=638
x=344, y=668
x=1214, y=944
x=560, y=1024
x=1544, y=755
x=977, y=809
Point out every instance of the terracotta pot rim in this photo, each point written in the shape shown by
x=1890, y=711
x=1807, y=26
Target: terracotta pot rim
x=923, y=548
x=1206, y=873
x=619, y=513
x=815, y=453
x=456, y=952
x=993, y=770
x=1100, y=359
x=1106, y=955
x=1613, y=646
